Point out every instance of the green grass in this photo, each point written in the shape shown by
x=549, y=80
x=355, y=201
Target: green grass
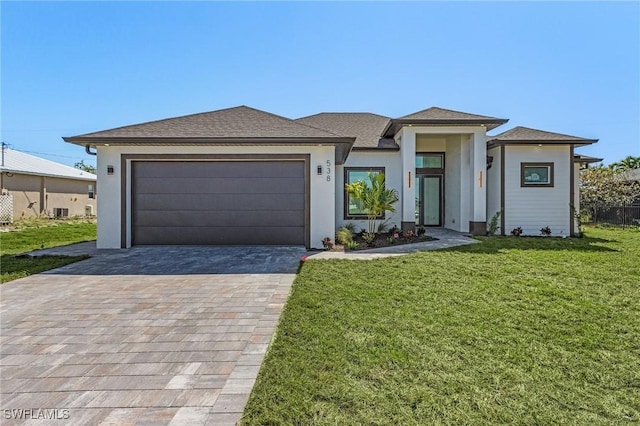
x=42, y=235
x=513, y=330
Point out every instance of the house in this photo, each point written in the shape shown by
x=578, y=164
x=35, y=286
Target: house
x=33, y=186
x=245, y=176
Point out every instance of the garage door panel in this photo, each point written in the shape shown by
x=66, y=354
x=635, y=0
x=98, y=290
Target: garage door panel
x=240, y=185
x=219, y=236
x=229, y=218
x=218, y=202
x=223, y=203
x=220, y=169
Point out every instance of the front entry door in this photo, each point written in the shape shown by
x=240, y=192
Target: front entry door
x=429, y=200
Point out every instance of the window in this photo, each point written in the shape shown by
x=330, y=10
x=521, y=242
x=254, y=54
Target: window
x=429, y=161
x=536, y=174
x=352, y=207
x=91, y=190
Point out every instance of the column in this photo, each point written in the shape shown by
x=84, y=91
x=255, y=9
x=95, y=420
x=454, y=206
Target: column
x=408, y=154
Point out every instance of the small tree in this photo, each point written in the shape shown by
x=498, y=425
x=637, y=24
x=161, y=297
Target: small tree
x=374, y=197
x=85, y=167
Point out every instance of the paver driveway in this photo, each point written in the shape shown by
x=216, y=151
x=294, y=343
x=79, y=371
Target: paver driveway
x=150, y=335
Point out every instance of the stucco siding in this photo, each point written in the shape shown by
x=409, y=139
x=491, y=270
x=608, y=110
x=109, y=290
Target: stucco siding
x=452, y=184
x=39, y=195
x=322, y=187
x=70, y=194
x=493, y=184
x=533, y=208
x=392, y=163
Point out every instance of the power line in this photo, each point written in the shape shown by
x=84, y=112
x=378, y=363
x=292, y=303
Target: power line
x=52, y=155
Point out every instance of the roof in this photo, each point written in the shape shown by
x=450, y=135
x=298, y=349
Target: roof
x=525, y=135
x=364, y=126
x=442, y=116
x=240, y=122
x=585, y=159
x=20, y=162
x=240, y=125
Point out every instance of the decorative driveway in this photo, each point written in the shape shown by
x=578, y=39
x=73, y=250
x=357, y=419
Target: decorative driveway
x=150, y=335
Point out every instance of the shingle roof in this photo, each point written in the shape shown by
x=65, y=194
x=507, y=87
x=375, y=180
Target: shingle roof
x=585, y=159
x=441, y=116
x=364, y=126
x=237, y=122
x=435, y=113
x=526, y=135
x=20, y=162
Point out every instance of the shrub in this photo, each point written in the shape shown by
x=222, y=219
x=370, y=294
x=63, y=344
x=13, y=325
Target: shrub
x=352, y=245
x=545, y=232
x=516, y=232
x=369, y=237
x=493, y=224
x=327, y=243
x=344, y=235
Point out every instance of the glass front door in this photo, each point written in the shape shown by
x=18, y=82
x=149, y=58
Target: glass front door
x=429, y=200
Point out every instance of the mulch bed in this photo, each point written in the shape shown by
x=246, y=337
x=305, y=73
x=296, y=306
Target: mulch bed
x=383, y=240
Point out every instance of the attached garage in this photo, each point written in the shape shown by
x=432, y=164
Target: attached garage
x=236, y=202
x=236, y=176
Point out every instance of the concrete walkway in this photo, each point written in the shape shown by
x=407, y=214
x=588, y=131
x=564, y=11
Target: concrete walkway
x=445, y=239
x=150, y=335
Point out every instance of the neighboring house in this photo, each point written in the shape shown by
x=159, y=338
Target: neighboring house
x=32, y=186
x=245, y=176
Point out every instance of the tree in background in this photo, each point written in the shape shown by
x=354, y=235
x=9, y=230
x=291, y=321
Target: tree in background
x=627, y=163
x=606, y=186
x=85, y=167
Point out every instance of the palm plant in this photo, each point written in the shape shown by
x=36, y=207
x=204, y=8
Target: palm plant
x=628, y=163
x=374, y=197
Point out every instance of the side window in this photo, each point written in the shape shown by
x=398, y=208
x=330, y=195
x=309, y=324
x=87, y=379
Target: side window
x=352, y=207
x=536, y=174
x=91, y=191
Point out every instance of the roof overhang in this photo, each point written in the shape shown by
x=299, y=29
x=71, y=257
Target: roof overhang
x=585, y=159
x=578, y=142
x=51, y=175
x=343, y=145
x=396, y=124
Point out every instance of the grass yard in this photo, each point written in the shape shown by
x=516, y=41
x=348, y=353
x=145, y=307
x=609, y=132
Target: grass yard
x=44, y=235
x=513, y=330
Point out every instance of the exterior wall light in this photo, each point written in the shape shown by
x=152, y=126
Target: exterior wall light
x=319, y=170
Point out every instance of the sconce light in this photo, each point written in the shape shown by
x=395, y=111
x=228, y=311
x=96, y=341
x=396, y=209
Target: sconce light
x=109, y=170
x=319, y=170
x=489, y=161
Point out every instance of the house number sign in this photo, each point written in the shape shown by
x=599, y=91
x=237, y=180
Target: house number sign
x=328, y=170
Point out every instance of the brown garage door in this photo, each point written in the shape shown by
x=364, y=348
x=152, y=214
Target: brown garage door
x=218, y=202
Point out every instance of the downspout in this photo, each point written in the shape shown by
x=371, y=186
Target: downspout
x=87, y=148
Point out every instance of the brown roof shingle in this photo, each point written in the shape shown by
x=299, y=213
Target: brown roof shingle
x=364, y=126
x=237, y=122
x=441, y=116
x=527, y=135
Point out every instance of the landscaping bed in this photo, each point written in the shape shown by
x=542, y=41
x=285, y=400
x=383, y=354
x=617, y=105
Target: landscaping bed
x=386, y=239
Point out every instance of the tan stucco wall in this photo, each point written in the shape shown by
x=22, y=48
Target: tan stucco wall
x=36, y=195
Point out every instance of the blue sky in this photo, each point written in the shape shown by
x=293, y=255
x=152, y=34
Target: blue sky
x=74, y=67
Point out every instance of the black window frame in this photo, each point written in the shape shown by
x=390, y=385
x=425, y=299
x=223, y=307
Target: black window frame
x=347, y=216
x=528, y=184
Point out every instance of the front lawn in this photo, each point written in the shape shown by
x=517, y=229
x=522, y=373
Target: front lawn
x=44, y=235
x=513, y=330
